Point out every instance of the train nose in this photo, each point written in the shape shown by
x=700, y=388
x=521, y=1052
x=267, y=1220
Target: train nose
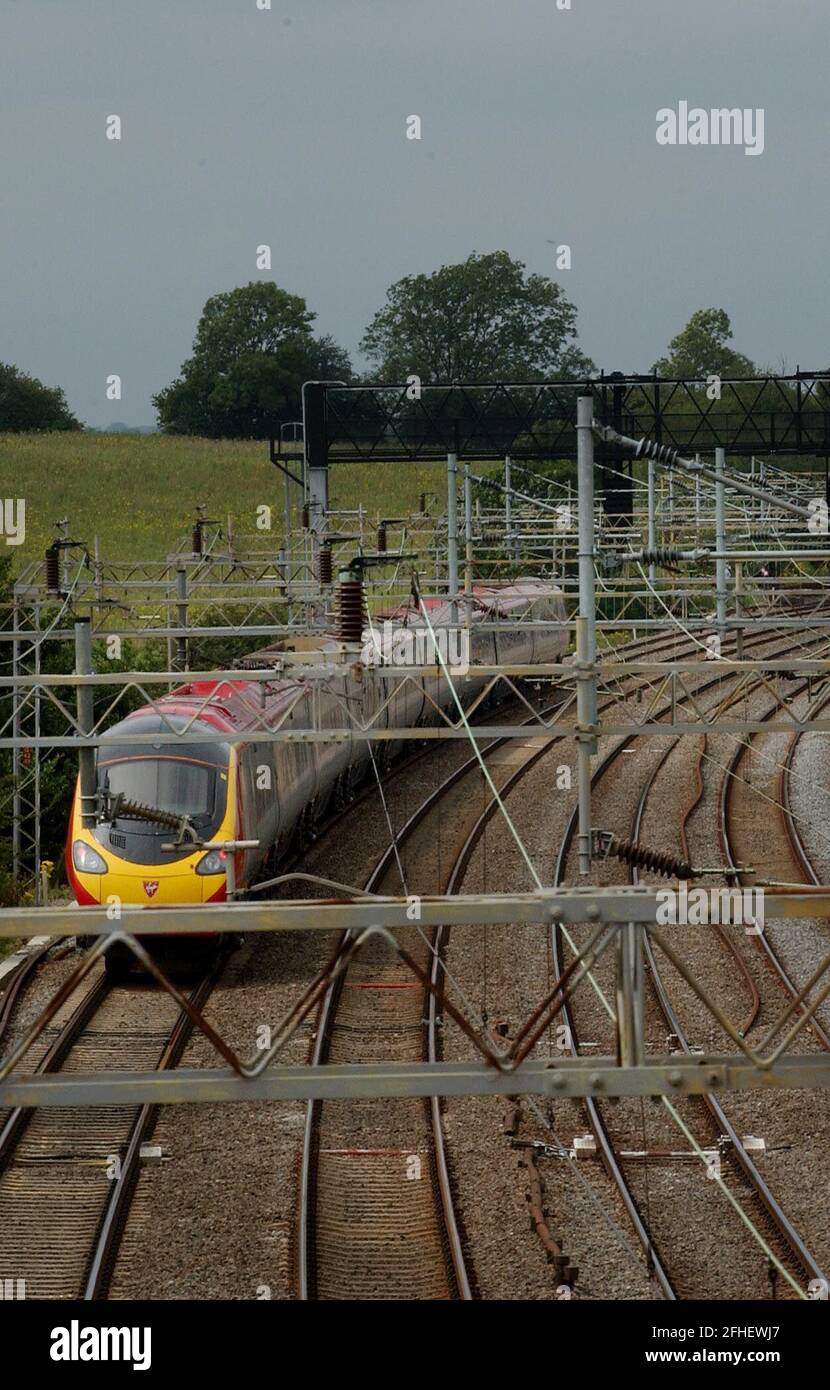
x=147, y=889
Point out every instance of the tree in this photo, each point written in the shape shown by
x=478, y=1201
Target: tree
x=701, y=349
x=26, y=404
x=482, y=320
x=253, y=349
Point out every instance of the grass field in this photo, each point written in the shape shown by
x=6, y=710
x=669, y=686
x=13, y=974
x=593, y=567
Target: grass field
x=138, y=493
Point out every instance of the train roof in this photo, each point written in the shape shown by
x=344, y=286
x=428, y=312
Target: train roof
x=179, y=716
x=234, y=706
x=490, y=600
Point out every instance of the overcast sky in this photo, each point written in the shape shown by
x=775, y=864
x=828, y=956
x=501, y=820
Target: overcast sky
x=244, y=126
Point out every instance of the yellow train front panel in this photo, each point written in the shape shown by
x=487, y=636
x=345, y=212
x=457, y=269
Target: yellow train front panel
x=145, y=885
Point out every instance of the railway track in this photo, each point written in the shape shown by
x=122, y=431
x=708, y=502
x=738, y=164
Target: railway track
x=341, y=1179
x=67, y=1176
x=611, y=1159
x=796, y=840
x=352, y=1238
x=366, y=1228
x=16, y=983
x=784, y=858
x=778, y=1226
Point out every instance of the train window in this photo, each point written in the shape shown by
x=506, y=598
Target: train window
x=185, y=788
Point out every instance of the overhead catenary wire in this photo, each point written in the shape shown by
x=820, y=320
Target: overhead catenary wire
x=672, y=458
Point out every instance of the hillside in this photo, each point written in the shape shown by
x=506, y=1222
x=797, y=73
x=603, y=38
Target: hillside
x=138, y=493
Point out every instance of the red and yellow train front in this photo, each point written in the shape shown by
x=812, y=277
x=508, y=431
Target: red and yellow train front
x=125, y=858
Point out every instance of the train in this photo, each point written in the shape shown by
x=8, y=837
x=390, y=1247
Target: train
x=240, y=788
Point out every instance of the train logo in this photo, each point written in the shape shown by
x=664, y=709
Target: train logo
x=151, y=887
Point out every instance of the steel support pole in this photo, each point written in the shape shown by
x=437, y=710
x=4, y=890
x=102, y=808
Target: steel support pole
x=17, y=756
x=86, y=721
x=99, y=582
x=720, y=543
x=230, y=874
x=181, y=617
x=468, y=545
x=508, y=506
x=318, y=513
x=585, y=627
x=630, y=996
x=452, y=530
x=652, y=520
x=65, y=556
x=318, y=500
x=586, y=744
x=36, y=754
x=753, y=506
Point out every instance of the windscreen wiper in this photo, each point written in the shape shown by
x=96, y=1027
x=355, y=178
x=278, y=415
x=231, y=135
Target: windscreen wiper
x=119, y=805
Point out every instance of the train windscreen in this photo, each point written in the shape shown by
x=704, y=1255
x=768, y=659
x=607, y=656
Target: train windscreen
x=183, y=787
x=192, y=783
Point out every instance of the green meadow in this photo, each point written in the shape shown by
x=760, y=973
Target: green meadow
x=139, y=493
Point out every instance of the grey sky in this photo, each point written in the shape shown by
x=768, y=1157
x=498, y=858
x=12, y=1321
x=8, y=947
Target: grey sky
x=240, y=127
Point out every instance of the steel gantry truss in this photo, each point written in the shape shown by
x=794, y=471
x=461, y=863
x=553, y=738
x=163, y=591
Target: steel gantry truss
x=610, y=914
x=786, y=415
x=745, y=416
x=26, y=730
x=300, y=722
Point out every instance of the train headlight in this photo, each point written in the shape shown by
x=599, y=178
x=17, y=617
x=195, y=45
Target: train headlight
x=87, y=860
x=213, y=862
